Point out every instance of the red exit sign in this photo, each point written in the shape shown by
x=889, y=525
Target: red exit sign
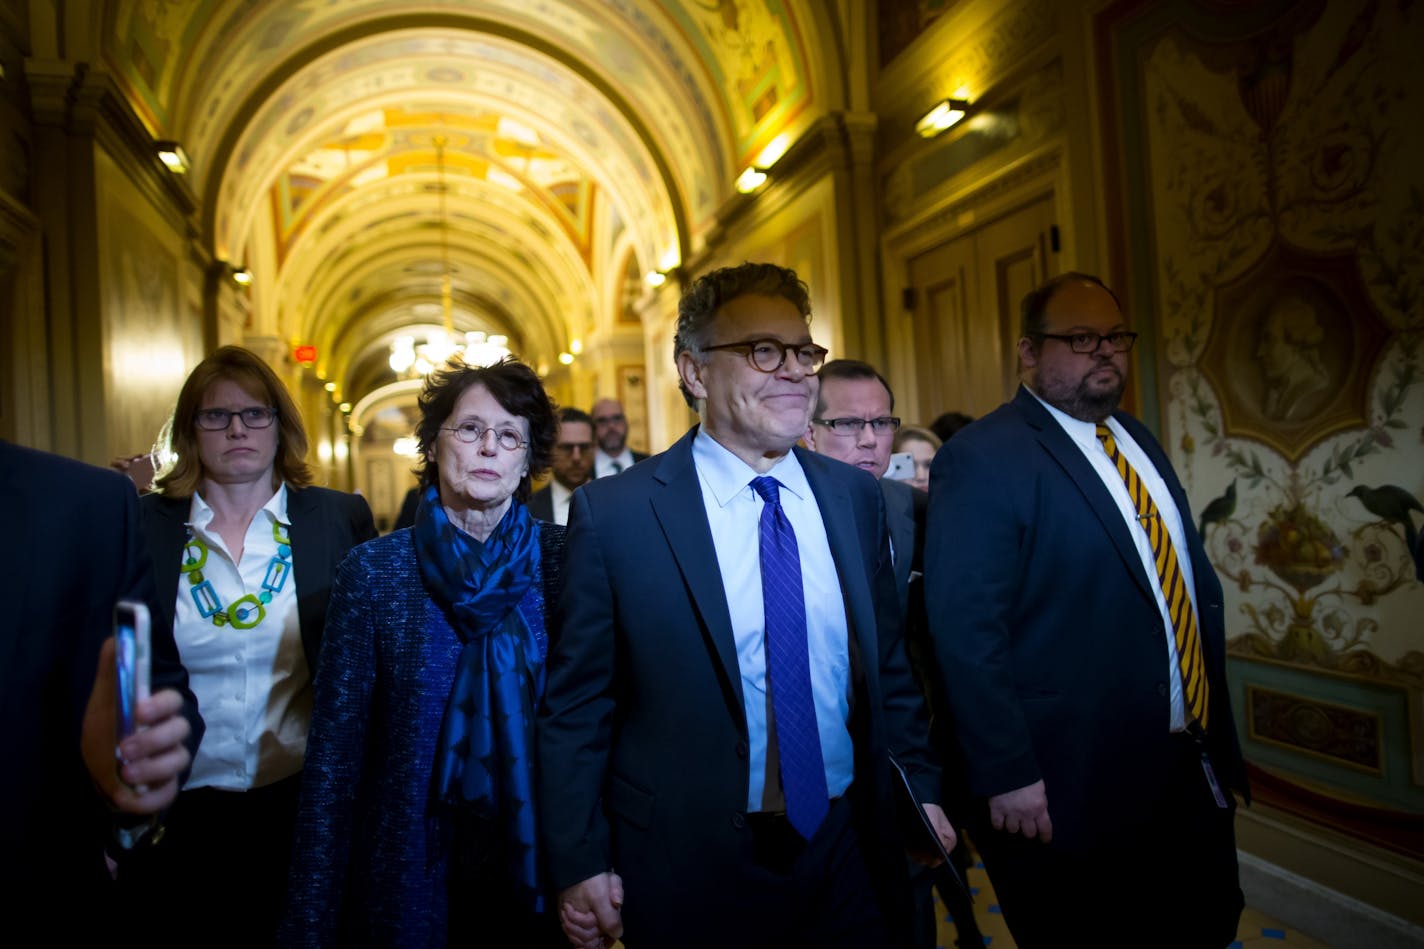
x=306, y=355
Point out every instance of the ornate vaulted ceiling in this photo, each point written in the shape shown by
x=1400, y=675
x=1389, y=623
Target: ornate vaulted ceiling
x=564, y=144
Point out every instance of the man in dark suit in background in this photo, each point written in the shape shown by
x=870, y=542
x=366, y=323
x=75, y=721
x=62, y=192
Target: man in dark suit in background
x=1079, y=625
x=573, y=466
x=853, y=422
x=724, y=693
x=75, y=549
x=610, y=430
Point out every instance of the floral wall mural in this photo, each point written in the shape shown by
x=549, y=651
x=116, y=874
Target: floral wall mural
x=1282, y=191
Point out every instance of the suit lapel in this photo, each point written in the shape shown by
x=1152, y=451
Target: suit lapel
x=169, y=533
x=1081, y=472
x=311, y=545
x=900, y=522
x=680, y=510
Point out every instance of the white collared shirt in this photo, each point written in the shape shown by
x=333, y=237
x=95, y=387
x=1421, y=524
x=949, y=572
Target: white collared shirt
x=559, y=498
x=734, y=516
x=1085, y=436
x=253, y=686
x=603, y=464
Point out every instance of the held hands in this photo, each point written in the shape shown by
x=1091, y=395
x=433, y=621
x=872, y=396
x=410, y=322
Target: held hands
x=151, y=759
x=591, y=912
x=1023, y=811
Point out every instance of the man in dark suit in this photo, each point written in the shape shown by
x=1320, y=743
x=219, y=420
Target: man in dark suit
x=610, y=430
x=75, y=549
x=1079, y=625
x=724, y=692
x=573, y=466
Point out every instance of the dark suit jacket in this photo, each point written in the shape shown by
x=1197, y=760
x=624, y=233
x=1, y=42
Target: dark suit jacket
x=905, y=507
x=541, y=504
x=643, y=740
x=74, y=547
x=325, y=525
x=1046, y=624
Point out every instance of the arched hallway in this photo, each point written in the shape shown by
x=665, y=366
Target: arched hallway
x=363, y=178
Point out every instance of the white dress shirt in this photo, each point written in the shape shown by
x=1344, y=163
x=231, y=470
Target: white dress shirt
x=253, y=685
x=559, y=497
x=1085, y=436
x=734, y=515
x=603, y=465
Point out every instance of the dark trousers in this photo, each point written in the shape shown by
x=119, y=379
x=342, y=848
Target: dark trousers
x=1169, y=881
x=924, y=882
x=219, y=875
x=789, y=893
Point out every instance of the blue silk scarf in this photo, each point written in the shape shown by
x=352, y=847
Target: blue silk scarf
x=484, y=756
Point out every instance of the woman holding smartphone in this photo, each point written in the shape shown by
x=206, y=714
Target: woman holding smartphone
x=244, y=549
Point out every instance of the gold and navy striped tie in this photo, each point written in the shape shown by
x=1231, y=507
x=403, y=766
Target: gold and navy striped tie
x=1174, y=586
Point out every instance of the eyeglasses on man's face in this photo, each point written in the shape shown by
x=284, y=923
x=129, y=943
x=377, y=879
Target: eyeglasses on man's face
x=769, y=355
x=884, y=425
x=217, y=420
x=1121, y=341
x=472, y=432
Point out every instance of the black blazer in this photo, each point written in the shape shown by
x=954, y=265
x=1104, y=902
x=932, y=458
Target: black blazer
x=73, y=548
x=1047, y=626
x=325, y=525
x=541, y=504
x=643, y=737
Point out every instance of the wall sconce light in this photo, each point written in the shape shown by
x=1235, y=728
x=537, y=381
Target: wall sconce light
x=945, y=114
x=566, y=359
x=751, y=179
x=345, y=407
x=242, y=277
x=330, y=387
x=172, y=155
x=655, y=278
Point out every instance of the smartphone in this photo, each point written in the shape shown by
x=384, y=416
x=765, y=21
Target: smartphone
x=902, y=466
x=132, y=645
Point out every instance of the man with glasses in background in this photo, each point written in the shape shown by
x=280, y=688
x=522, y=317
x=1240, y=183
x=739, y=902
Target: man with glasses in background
x=853, y=423
x=573, y=466
x=1079, y=628
x=725, y=691
x=610, y=430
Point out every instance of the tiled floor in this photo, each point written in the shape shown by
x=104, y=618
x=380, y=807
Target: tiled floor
x=1257, y=930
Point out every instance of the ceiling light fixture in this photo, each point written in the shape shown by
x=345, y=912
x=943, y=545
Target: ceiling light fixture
x=477, y=348
x=945, y=114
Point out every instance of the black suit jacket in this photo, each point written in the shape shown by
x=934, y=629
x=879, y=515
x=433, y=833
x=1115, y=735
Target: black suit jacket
x=905, y=507
x=1047, y=627
x=325, y=525
x=541, y=504
x=643, y=744
x=74, y=547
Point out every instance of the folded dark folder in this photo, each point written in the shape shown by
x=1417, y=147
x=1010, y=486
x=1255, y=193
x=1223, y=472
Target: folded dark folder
x=928, y=842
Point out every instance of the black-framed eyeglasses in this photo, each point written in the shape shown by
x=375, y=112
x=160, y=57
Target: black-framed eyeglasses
x=473, y=432
x=217, y=420
x=884, y=425
x=1121, y=341
x=769, y=355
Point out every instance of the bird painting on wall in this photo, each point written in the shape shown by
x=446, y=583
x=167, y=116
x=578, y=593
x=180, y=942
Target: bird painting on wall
x=1219, y=509
x=1392, y=504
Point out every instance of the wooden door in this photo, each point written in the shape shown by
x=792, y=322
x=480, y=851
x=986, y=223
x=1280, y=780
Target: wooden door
x=965, y=314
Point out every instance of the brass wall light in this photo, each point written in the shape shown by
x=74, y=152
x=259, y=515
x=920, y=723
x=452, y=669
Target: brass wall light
x=945, y=114
x=751, y=179
x=173, y=155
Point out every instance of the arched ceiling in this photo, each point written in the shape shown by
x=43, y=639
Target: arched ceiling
x=343, y=148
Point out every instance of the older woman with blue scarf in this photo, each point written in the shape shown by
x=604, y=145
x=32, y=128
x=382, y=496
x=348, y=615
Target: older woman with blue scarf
x=417, y=817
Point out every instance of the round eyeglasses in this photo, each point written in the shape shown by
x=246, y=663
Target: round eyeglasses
x=769, y=355
x=217, y=420
x=472, y=432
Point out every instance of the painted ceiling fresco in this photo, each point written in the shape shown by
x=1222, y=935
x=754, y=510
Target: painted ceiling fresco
x=572, y=130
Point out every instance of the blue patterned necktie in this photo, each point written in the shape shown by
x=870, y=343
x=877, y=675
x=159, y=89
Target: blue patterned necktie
x=788, y=666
